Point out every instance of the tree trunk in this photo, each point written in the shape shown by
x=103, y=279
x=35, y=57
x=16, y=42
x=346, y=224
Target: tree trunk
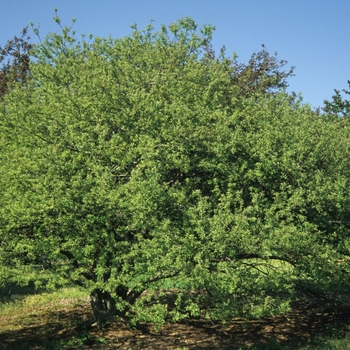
x=103, y=306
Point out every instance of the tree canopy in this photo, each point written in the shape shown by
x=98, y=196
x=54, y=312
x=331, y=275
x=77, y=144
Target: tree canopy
x=16, y=67
x=168, y=182
x=339, y=106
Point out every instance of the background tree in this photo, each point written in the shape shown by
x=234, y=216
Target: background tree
x=15, y=59
x=137, y=166
x=339, y=106
x=263, y=73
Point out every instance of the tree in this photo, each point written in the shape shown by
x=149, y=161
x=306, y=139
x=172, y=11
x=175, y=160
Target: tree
x=16, y=68
x=138, y=169
x=263, y=74
x=338, y=106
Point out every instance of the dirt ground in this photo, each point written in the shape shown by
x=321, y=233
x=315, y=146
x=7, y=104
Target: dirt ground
x=70, y=326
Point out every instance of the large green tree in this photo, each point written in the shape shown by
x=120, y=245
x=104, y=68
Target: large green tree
x=138, y=169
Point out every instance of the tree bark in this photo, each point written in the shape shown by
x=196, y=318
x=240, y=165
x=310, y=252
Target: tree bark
x=103, y=306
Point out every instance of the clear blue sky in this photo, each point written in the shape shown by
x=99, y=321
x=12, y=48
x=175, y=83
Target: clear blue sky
x=312, y=35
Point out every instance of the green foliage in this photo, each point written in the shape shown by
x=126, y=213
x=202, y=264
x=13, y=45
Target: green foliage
x=128, y=165
x=339, y=106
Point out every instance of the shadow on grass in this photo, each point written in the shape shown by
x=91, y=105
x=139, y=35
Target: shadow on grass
x=58, y=329
x=308, y=326
x=9, y=289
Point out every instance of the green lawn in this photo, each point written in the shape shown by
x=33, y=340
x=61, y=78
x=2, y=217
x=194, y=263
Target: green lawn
x=61, y=319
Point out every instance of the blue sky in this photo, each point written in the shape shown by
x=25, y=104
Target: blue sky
x=312, y=35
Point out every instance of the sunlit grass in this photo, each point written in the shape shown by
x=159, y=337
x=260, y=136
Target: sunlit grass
x=24, y=310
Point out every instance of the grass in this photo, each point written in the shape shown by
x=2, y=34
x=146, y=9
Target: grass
x=61, y=319
x=30, y=320
x=33, y=305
